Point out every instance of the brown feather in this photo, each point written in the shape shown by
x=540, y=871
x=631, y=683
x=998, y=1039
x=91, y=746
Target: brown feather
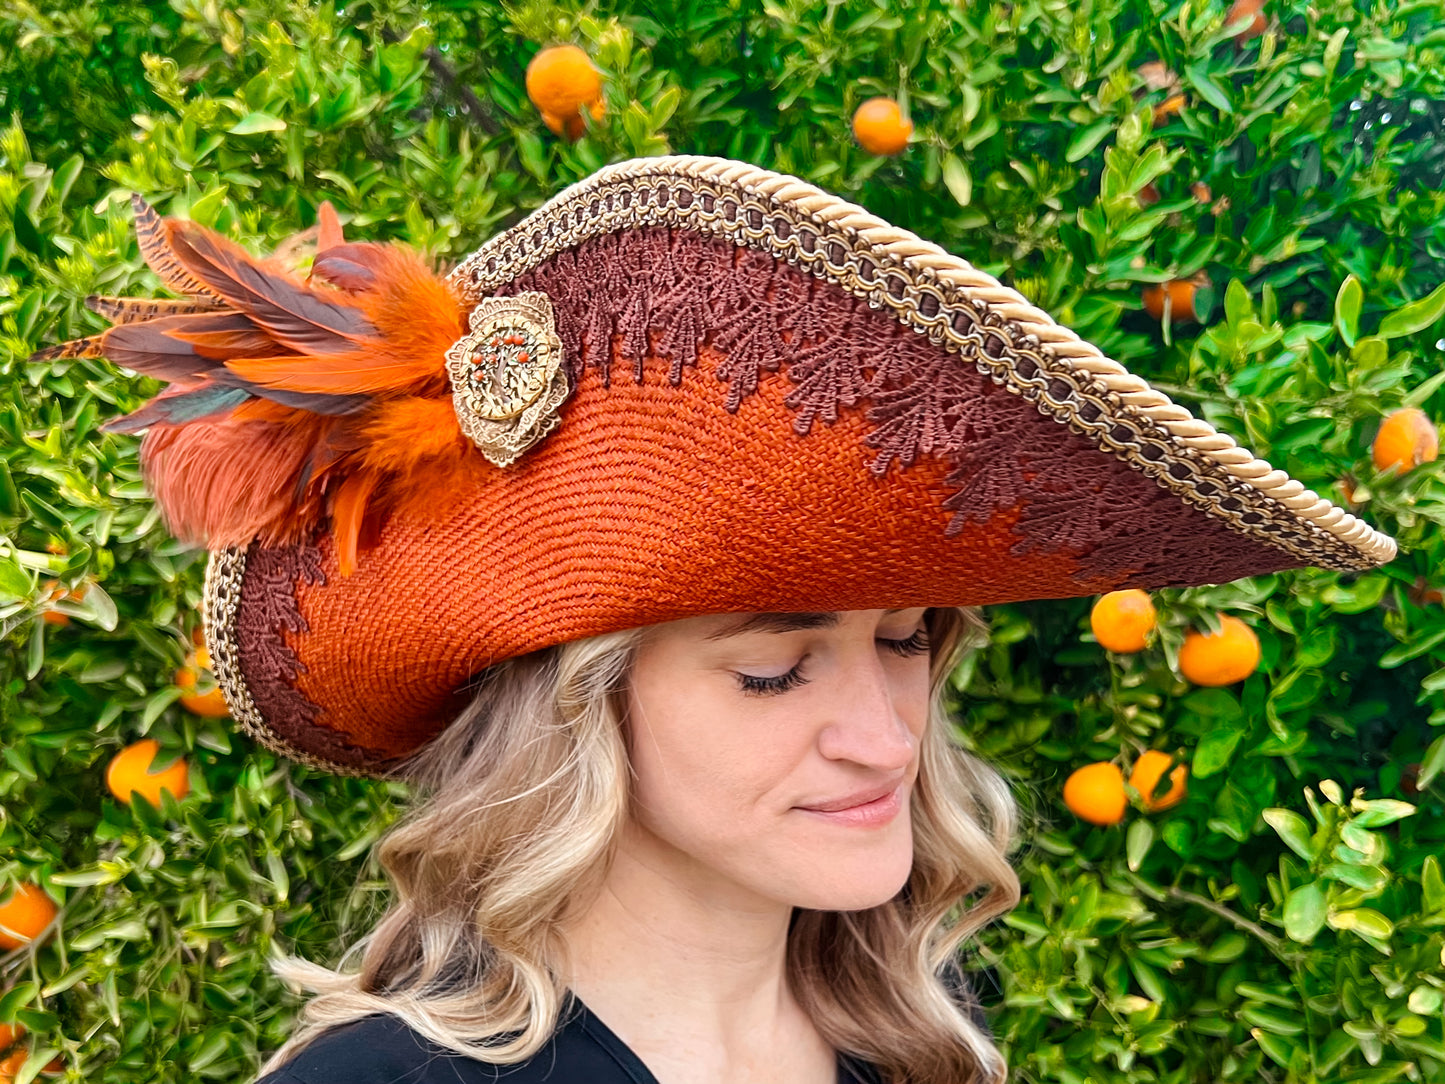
x=132, y=310
x=302, y=318
x=88, y=347
x=152, y=234
x=183, y=347
x=418, y=317
x=289, y=400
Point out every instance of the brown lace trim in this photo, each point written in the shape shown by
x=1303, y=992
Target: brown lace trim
x=756, y=316
x=249, y=605
x=940, y=296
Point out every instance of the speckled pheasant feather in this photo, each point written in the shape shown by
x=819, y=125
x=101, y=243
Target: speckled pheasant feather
x=289, y=400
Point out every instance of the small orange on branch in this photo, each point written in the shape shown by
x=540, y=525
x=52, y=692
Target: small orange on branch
x=1095, y=793
x=880, y=128
x=1253, y=10
x=200, y=694
x=1407, y=438
x=129, y=772
x=1122, y=621
x=1180, y=295
x=1220, y=658
x=1147, y=772
x=25, y=915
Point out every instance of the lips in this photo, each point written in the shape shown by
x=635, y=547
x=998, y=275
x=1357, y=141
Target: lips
x=857, y=798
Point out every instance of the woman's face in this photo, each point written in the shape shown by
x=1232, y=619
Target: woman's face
x=774, y=754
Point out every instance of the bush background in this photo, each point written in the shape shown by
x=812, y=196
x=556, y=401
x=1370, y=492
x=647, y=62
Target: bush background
x=1283, y=924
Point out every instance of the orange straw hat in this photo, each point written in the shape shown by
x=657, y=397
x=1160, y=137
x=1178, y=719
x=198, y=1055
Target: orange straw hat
x=685, y=385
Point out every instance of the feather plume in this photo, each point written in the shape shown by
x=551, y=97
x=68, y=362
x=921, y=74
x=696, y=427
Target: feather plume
x=151, y=235
x=130, y=310
x=289, y=400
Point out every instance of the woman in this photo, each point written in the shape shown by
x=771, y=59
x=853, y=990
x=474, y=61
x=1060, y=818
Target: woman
x=683, y=478
x=740, y=745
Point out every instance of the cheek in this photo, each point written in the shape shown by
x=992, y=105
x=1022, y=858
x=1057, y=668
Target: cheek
x=699, y=765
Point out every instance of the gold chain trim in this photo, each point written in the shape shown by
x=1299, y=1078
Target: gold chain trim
x=958, y=307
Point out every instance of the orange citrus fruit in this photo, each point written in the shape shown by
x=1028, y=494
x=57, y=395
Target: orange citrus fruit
x=130, y=772
x=1095, y=793
x=1180, y=293
x=561, y=80
x=198, y=696
x=28, y=911
x=879, y=127
x=573, y=127
x=1167, y=108
x=13, y=1055
x=1220, y=658
x=1406, y=439
x=1243, y=9
x=1148, y=770
x=1123, y=620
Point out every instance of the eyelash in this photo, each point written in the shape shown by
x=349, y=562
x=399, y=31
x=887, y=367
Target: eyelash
x=916, y=644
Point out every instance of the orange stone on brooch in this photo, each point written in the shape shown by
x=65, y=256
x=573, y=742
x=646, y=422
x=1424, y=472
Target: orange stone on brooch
x=507, y=377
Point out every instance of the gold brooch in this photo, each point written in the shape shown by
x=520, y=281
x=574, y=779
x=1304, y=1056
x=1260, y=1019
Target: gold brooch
x=507, y=376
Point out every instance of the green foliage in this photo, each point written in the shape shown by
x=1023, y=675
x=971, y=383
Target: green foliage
x=1285, y=923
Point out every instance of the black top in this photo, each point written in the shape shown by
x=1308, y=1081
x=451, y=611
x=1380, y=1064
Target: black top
x=382, y=1049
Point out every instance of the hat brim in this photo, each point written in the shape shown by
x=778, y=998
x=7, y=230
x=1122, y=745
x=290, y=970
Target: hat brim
x=778, y=402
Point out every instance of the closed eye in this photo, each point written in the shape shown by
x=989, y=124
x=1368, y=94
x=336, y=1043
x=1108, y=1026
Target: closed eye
x=917, y=644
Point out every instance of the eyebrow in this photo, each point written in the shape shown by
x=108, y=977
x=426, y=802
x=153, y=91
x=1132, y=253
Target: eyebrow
x=779, y=622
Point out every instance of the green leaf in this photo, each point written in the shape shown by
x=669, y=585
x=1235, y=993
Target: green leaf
x=1279, y=1050
x=1378, y=812
x=1425, y=1000
x=1199, y=78
x=253, y=123
x=14, y=582
x=955, y=176
x=1424, y=390
x=19, y=994
x=1215, y=749
x=1304, y=912
x=1411, y=649
x=1138, y=841
x=1416, y=316
x=1364, y=921
x=1294, y=830
x=1085, y=140
x=1348, y=301
x=1433, y=884
x=1433, y=763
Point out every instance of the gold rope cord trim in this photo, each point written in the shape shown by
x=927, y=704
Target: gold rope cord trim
x=1018, y=346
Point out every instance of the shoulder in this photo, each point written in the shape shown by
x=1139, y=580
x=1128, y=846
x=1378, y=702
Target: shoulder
x=377, y=1049
x=383, y=1049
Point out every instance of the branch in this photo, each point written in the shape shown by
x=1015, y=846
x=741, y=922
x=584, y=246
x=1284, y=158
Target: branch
x=1269, y=940
x=447, y=77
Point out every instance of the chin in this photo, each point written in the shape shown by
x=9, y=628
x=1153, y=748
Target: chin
x=854, y=875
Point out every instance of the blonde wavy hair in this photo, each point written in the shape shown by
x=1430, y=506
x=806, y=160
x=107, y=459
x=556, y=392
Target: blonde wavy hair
x=520, y=803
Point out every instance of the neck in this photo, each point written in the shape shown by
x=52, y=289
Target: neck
x=673, y=961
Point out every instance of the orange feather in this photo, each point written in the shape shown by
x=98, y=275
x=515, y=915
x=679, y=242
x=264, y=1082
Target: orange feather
x=289, y=401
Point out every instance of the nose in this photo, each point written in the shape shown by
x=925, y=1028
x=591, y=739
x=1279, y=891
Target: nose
x=865, y=725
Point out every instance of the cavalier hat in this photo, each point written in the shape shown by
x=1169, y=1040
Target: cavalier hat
x=685, y=385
